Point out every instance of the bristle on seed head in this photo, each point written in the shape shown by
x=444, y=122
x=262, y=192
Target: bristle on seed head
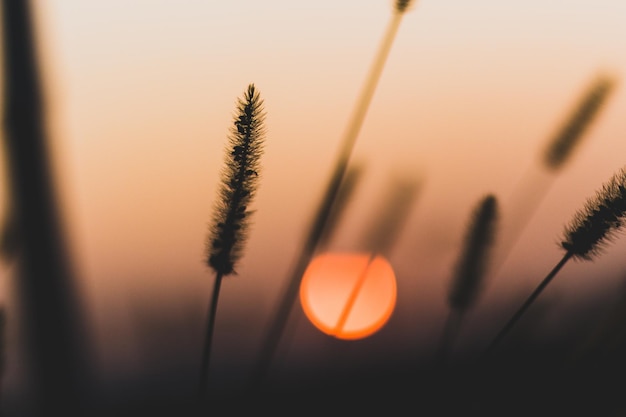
x=600, y=219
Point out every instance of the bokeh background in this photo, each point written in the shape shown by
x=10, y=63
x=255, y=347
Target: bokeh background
x=140, y=96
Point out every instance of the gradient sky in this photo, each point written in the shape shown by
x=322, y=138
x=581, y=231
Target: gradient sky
x=141, y=95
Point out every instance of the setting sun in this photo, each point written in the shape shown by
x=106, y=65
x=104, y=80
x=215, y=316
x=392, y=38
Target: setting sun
x=348, y=295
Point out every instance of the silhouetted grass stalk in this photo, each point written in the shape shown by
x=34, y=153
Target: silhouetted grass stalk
x=534, y=186
x=470, y=271
x=382, y=234
x=601, y=218
x=289, y=297
x=345, y=194
x=356, y=289
x=56, y=341
x=232, y=212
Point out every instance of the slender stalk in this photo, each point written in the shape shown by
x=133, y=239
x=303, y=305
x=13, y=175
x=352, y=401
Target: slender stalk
x=56, y=338
x=231, y=217
x=290, y=295
x=470, y=270
x=518, y=314
x=449, y=334
x=560, y=149
x=208, y=340
x=602, y=216
x=347, y=308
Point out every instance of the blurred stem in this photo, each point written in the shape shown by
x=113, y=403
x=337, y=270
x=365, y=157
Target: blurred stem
x=51, y=315
x=450, y=332
x=208, y=340
x=347, y=308
x=290, y=295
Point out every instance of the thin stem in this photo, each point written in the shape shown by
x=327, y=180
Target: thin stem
x=206, y=352
x=520, y=209
x=528, y=302
x=345, y=313
x=450, y=331
x=290, y=295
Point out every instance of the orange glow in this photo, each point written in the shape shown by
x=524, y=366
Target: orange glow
x=348, y=295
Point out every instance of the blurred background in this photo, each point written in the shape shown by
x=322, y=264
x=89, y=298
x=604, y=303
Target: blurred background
x=140, y=97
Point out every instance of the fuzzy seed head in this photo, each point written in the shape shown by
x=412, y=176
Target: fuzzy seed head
x=571, y=133
x=599, y=221
x=472, y=265
x=239, y=182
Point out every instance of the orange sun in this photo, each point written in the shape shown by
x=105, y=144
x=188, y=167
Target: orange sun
x=348, y=295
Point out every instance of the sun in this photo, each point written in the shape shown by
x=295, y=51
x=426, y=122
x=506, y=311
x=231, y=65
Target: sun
x=348, y=295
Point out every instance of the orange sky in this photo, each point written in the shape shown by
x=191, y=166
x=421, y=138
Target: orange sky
x=141, y=96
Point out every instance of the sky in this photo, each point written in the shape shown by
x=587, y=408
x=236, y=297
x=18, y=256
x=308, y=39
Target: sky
x=140, y=96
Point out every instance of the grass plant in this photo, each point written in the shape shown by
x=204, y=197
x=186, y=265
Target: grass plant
x=528, y=194
x=279, y=319
x=584, y=238
x=470, y=270
x=231, y=217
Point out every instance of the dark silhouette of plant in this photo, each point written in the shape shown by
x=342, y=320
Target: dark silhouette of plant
x=553, y=158
x=347, y=189
x=471, y=269
x=585, y=236
x=318, y=225
x=56, y=342
x=381, y=235
x=231, y=216
x=383, y=231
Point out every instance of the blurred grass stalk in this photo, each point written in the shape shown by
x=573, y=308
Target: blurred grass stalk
x=470, y=271
x=384, y=229
x=535, y=184
x=317, y=227
x=345, y=194
x=591, y=228
x=50, y=315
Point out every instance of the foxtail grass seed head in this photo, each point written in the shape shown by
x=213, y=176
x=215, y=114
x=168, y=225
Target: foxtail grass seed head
x=472, y=265
x=403, y=5
x=600, y=219
x=571, y=133
x=239, y=182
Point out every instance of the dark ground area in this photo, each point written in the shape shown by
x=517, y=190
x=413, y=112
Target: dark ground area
x=516, y=382
x=579, y=370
